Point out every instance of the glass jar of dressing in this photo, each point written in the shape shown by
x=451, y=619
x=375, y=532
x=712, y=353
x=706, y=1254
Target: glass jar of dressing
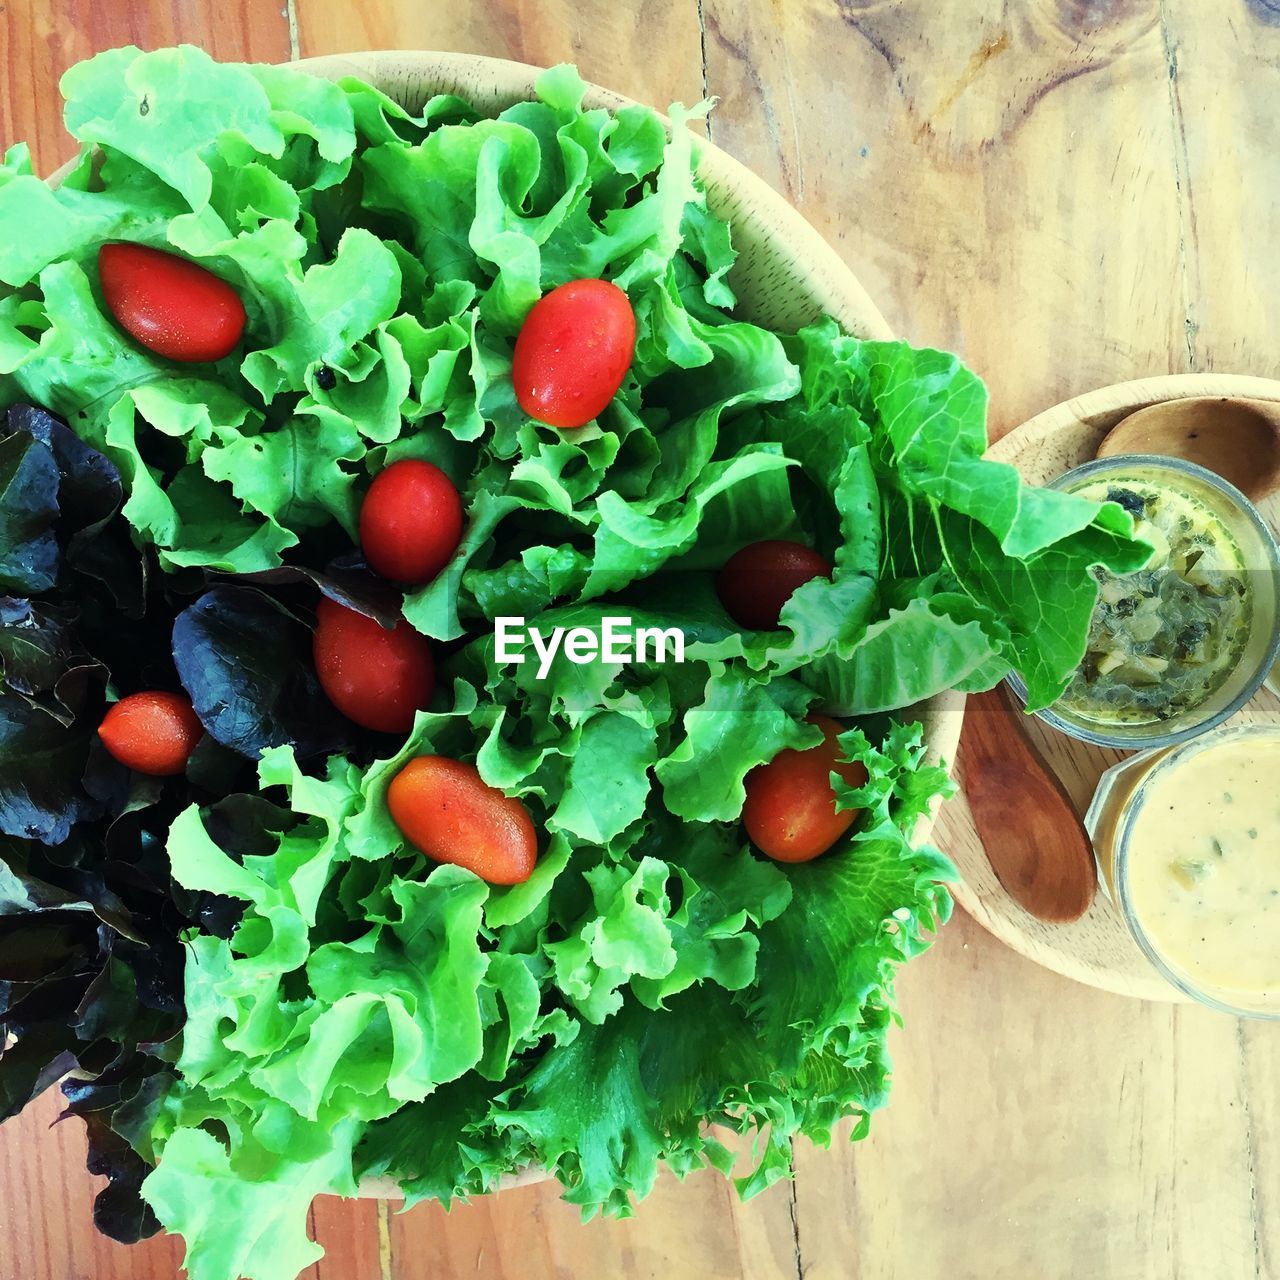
x=1188, y=843
x=1180, y=646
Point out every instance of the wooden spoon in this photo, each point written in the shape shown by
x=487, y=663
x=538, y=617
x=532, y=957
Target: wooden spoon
x=1031, y=831
x=1237, y=439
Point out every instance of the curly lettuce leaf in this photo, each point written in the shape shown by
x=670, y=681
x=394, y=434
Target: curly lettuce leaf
x=649, y=930
x=386, y=262
x=288, y=1068
x=199, y=1184
x=740, y=723
x=28, y=507
x=643, y=1086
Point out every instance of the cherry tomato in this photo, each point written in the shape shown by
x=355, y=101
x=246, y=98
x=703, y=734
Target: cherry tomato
x=376, y=677
x=410, y=522
x=152, y=732
x=790, y=813
x=446, y=809
x=171, y=305
x=758, y=580
x=573, y=351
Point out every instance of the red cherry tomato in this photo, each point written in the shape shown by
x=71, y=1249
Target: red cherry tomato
x=410, y=522
x=446, y=809
x=376, y=677
x=171, y=305
x=152, y=733
x=790, y=812
x=758, y=580
x=574, y=349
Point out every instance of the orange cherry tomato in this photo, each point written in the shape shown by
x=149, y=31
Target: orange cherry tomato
x=378, y=678
x=171, y=305
x=410, y=522
x=790, y=812
x=447, y=810
x=153, y=733
x=573, y=351
x=758, y=580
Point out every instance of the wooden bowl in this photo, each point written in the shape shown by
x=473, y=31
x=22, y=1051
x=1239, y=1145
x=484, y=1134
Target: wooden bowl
x=1096, y=949
x=786, y=275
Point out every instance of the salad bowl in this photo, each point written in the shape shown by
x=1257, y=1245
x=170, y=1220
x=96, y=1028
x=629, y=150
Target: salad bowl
x=785, y=276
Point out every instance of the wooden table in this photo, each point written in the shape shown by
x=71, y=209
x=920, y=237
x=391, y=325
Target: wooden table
x=1070, y=193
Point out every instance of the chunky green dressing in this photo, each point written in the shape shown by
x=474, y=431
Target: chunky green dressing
x=1164, y=639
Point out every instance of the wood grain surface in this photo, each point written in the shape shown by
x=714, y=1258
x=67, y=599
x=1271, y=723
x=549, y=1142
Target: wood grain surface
x=1070, y=193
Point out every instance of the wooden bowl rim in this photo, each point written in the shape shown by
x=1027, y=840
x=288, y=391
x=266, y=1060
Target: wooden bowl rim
x=1123, y=398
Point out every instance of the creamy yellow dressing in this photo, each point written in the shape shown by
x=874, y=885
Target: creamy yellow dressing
x=1203, y=875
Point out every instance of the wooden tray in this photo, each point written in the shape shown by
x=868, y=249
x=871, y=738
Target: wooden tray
x=1096, y=949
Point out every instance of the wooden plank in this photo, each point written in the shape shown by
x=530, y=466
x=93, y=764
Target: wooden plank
x=1227, y=61
x=1254, y=1091
x=601, y=37
x=1038, y=1128
x=1055, y=192
x=46, y=1209
x=1013, y=184
x=40, y=40
x=1227, y=78
x=1002, y=184
x=349, y=1232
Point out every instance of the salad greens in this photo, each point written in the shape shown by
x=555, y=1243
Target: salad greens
x=346, y=1007
x=417, y=1029
x=90, y=922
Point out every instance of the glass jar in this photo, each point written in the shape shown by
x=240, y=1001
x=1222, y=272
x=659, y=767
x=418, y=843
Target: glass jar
x=1259, y=559
x=1188, y=846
